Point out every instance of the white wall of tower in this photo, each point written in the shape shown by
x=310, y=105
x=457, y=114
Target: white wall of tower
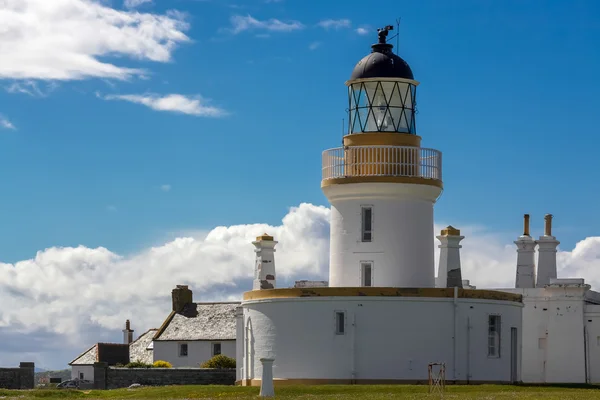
x=401, y=248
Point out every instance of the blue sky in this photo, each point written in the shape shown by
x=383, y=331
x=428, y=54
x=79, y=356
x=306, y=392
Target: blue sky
x=508, y=93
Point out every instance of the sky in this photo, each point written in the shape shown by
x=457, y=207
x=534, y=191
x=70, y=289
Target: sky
x=145, y=143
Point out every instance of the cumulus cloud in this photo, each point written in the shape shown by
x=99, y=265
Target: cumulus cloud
x=135, y=3
x=314, y=45
x=165, y=188
x=66, y=299
x=5, y=123
x=177, y=103
x=70, y=39
x=242, y=23
x=362, y=31
x=335, y=23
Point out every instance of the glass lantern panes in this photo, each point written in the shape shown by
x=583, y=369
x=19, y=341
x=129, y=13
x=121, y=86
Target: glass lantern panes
x=382, y=106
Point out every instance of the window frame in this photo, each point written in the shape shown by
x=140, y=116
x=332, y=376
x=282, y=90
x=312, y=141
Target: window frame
x=81, y=376
x=187, y=349
x=336, y=321
x=363, y=231
x=364, y=263
x=212, y=348
x=494, y=336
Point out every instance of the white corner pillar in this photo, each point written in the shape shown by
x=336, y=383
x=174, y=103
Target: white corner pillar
x=266, y=382
x=547, y=245
x=525, y=275
x=264, y=270
x=449, y=271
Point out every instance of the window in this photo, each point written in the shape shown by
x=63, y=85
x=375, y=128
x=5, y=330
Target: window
x=81, y=375
x=366, y=273
x=494, y=330
x=216, y=349
x=340, y=322
x=367, y=224
x=183, y=350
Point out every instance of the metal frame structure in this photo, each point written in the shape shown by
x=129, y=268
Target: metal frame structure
x=437, y=378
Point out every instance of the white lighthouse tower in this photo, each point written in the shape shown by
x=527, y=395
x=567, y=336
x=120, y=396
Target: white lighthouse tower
x=382, y=184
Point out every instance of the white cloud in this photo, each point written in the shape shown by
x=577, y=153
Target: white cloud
x=243, y=23
x=135, y=3
x=335, y=23
x=5, y=123
x=65, y=299
x=31, y=88
x=362, y=31
x=165, y=188
x=314, y=45
x=178, y=103
x=71, y=39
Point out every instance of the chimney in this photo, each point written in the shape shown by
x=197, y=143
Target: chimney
x=127, y=333
x=547, y=245
x=264, y=273
x=525, y=275
x=449, y=271
x=181, y=296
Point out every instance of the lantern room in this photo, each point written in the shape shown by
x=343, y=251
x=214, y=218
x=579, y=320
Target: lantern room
x=382, y=92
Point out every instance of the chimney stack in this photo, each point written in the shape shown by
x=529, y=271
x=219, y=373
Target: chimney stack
x=264, y=273
x=546, y=254
x=449, y=271
x=525, y=276
x=127, y=333
x=181, y=295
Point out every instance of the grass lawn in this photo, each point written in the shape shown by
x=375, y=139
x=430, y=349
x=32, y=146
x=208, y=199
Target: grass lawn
x=487, y=392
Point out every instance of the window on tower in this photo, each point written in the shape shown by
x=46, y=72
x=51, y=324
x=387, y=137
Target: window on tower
x=340, y=322
x=366, y=272
x=367, y=224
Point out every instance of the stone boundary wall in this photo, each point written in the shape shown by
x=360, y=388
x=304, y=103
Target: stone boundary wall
x=114, y=378
x=22, y=377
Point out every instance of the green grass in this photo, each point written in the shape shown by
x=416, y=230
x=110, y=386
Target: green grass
x=375, y=392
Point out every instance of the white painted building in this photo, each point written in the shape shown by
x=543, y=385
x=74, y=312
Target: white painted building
x=561, y=317
x=195, y=332
x=380, y=319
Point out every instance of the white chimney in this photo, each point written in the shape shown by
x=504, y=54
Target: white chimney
x=127, y=333
x=547, y=245
x=525, y=276
x=264, y=271
x=449, y=272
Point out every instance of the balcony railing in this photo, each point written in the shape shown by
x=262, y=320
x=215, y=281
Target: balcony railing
x=382, y=161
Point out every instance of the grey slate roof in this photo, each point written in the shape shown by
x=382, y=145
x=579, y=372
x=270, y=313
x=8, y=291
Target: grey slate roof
x=138, y=348
x=88, y=357
x=209, y=321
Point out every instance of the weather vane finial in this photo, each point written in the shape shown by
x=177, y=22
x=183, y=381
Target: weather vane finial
x=383, y=32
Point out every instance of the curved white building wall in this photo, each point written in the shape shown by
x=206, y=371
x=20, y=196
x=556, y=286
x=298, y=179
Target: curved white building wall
x=401, y=249
x=385, y=338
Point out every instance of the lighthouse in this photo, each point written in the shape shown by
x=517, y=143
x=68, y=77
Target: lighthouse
x=382, y=185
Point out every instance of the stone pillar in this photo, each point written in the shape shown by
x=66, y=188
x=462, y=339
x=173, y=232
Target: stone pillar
x=449, y=272
x=264, y=271
x=27, y=375
x=525, y=275
x=100, y=375
x=547, y=245
x=266, y=382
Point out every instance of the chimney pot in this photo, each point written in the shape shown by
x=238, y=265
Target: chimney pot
x=548, y=225
x=526, y=225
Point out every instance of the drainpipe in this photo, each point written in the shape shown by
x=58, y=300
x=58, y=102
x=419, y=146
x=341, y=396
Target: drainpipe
x=468, y=350
x=585, y=354
x=353, y=348
x=455, y=333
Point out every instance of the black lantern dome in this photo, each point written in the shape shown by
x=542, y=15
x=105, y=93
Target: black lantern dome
x=382, y=62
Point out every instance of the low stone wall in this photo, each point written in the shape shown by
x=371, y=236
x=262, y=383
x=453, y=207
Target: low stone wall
x=114, y=378
x=18, y=378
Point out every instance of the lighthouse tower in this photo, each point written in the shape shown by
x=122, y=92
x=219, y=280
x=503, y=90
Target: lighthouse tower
x=382, y=184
